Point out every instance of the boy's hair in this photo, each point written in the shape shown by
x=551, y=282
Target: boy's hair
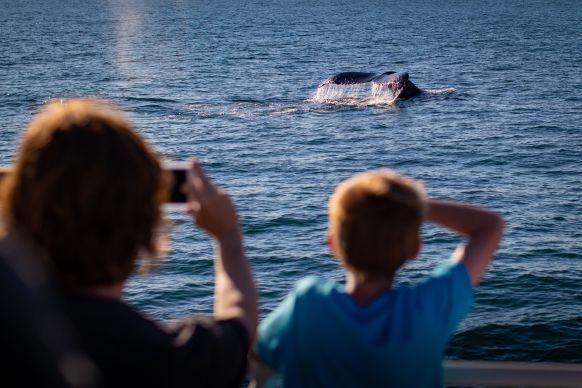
x=87, y=190
x=374, y=220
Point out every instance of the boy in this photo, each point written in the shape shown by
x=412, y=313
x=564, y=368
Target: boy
x=368, y=333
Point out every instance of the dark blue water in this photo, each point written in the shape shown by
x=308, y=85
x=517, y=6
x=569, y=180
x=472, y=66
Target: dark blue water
x=232, y=82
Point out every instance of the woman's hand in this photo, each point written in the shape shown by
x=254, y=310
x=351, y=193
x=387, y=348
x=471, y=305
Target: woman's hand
x=210, y=207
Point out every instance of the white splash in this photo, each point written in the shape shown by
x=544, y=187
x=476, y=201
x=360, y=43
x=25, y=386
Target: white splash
x=381, y=94
x=440, y=91
x=336, y=92
x=354, y=95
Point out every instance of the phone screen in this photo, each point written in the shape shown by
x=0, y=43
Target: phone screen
x=178, y=179
x=177, y=172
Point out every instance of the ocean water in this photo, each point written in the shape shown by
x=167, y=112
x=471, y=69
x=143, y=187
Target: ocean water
x=234, y=84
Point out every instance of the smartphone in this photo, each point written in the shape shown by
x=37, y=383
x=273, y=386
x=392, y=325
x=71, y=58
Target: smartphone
x=177, y=172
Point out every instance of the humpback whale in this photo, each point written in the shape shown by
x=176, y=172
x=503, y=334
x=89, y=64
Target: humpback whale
x=398, y=83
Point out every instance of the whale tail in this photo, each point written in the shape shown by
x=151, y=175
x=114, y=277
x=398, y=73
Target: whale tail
x=397, y=83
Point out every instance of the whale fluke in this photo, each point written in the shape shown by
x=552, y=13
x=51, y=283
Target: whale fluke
x=399, y=83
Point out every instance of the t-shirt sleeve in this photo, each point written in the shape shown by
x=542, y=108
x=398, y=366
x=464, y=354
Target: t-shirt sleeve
x=273, y=333
x=211, y=354
x=277, y=330
x=446, y=296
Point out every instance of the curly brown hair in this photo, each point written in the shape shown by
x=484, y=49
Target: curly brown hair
x=374, y=221
x=87, y=190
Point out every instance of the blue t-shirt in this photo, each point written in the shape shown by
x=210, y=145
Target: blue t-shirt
x=320, y=337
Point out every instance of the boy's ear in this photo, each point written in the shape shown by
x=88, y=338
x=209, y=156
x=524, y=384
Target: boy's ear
x=329, y=241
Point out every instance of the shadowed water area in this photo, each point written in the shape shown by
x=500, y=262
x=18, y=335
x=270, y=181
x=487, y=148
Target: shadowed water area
x=234, y=83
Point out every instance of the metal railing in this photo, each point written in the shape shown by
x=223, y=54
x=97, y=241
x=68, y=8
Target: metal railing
x=512, y=374
x=477, y=373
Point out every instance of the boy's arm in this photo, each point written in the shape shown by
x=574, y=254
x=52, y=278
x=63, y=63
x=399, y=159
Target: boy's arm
x=214, y=212
x=482, y=229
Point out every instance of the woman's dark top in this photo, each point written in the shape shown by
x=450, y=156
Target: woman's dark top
x=132, y=351
x=37, y=341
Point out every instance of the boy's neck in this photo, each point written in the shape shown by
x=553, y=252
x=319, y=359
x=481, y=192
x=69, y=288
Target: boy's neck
x=364, y=289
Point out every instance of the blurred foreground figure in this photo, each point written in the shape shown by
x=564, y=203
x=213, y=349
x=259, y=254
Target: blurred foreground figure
x=87, y=191
x=37, y=342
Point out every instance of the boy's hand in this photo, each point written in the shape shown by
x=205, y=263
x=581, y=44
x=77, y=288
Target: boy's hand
x=210, y=207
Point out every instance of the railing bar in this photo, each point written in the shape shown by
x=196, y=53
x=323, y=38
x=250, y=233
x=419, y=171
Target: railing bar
x=508, y=373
